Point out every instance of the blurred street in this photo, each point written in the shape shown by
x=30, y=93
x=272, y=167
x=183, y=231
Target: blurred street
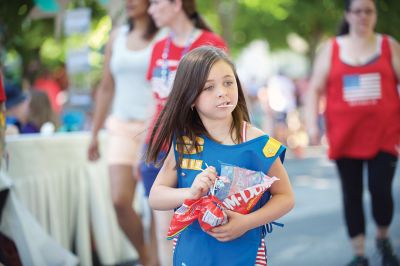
x=314, y=232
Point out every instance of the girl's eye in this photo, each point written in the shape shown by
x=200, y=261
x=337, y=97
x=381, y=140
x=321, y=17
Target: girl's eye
x=228, y=83
x=209, y=87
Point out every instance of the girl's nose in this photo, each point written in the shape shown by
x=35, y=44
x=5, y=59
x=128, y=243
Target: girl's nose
x=222, y=91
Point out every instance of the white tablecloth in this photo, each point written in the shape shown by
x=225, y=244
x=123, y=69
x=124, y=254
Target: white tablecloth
x=34, y=245
x=68, y=195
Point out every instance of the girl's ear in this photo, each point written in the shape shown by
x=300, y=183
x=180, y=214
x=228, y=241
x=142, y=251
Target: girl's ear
x=192, y=106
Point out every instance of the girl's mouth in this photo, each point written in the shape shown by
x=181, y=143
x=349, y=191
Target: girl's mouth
x=225, y=105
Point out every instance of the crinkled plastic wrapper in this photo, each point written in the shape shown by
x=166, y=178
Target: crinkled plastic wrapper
x=237, y=189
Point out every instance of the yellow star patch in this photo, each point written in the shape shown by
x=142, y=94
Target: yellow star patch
x=271, y=147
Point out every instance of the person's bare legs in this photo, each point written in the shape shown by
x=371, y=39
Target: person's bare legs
x=152, y=245
x=358, y=244
x=123, y=187
x=382, y=232
x=162, y=220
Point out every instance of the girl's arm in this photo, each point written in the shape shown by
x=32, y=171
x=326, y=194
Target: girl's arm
x=165, y=196
x=282, y=202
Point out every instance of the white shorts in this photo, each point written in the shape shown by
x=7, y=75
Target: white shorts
x=124, y=141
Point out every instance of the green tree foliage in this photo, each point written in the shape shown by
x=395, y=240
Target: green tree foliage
x=238, y=21
x=26, y=36
x=12, y=14
x=313, y=20
x=389, y=17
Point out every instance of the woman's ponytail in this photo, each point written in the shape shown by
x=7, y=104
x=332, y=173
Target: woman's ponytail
x=190, y=9
x=343, y=28
x=199, y=22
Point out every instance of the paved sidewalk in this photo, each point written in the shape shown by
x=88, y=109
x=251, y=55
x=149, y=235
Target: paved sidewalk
x=314, y=232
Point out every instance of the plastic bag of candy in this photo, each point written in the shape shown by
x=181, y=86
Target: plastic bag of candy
x=234, y=179
x=237, y=189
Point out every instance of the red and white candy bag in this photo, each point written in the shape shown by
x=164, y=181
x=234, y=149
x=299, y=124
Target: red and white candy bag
x=209, y=210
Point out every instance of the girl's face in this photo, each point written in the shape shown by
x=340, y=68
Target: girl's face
x=163, y=11
x=136, y=8
x=219, y=96
x=362, y=16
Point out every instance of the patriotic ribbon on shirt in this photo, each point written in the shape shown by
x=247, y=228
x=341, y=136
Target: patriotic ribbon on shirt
x=362, y=87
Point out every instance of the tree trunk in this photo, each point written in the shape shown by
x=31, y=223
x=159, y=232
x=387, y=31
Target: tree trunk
x=227, y=10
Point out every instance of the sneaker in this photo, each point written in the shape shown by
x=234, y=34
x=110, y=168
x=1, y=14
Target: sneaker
x=358, y=261
x=388, y=257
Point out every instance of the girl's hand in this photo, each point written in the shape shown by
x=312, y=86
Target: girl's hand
x=202, y=183
x=235, y=227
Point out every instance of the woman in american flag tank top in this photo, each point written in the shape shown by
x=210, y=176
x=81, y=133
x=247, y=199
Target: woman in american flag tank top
x=358, y=71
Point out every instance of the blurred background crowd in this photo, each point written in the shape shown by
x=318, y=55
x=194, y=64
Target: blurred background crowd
x=51, y=56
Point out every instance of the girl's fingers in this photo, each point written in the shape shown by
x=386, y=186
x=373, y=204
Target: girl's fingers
x=211, y=170
x=220, y=237
x=206, y=179
x=212, y=176
x=203, y=185
x=210, y=182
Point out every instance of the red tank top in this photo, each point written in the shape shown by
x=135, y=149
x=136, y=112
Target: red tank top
x=363, y=106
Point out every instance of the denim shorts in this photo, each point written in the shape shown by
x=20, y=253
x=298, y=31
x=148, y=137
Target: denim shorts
x=149, y=172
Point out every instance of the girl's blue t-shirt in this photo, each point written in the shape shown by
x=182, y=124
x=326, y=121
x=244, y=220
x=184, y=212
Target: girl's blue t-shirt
x=195, y=247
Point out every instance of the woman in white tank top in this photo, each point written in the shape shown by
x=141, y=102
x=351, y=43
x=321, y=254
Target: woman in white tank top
x=124, y=86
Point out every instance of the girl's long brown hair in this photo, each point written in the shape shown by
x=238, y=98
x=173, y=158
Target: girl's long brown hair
x=177, y=119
